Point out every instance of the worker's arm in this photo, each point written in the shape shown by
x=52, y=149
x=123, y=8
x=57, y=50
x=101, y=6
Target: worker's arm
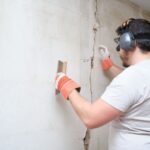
x=107, y=63
x=93, y=114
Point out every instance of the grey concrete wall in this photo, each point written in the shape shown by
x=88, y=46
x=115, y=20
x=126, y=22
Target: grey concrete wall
x=106, y=15
x=34, y=35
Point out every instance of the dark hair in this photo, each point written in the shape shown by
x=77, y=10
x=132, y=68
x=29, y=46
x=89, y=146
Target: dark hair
x=137, y=27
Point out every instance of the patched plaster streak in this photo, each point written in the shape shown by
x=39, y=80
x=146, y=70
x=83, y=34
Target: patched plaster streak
x=86, y=139
x=95, y=28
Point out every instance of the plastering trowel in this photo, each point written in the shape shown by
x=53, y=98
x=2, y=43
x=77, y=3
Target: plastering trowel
x=61, y=67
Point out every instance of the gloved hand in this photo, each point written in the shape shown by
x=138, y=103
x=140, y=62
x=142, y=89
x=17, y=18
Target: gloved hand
x=65, y=85
x=105, y=57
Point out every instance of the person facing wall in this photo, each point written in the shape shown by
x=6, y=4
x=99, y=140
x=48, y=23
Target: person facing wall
x=126, y=101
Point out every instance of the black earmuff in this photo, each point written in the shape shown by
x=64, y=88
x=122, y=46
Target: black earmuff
x=127, y=41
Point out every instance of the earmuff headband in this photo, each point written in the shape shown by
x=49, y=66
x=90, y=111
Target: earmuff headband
x=144, y=36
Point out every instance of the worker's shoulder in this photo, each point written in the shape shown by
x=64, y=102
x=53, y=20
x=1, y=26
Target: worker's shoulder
x=134, y=74
x=137, y=70
x=129, y=72
x=129, y=75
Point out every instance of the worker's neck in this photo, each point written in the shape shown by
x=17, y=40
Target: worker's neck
x=139, y=56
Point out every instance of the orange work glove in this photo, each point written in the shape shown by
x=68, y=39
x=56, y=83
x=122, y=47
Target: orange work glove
x=105, y=57
x=65, y=85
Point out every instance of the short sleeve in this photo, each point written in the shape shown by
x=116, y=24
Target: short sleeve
x=121, y=93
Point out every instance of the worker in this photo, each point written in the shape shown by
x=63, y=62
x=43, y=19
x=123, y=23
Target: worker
x=125, y=103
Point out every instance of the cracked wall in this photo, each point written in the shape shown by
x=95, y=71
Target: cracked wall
x=104, y=18
x=33, y=36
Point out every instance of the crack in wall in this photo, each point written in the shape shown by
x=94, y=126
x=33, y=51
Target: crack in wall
x=86, y=139
x=95, y=28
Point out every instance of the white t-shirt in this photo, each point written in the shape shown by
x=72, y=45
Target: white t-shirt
x=129, y=92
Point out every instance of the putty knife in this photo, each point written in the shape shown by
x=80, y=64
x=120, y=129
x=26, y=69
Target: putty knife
x=61, y=67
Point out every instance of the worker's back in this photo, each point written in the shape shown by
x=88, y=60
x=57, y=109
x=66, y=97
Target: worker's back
x=130, y=93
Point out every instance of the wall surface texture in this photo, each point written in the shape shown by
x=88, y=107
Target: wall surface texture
x=34, y=35
x=106, y=15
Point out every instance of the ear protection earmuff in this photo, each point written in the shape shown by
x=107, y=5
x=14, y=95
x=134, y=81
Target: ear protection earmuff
x=127, y=41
